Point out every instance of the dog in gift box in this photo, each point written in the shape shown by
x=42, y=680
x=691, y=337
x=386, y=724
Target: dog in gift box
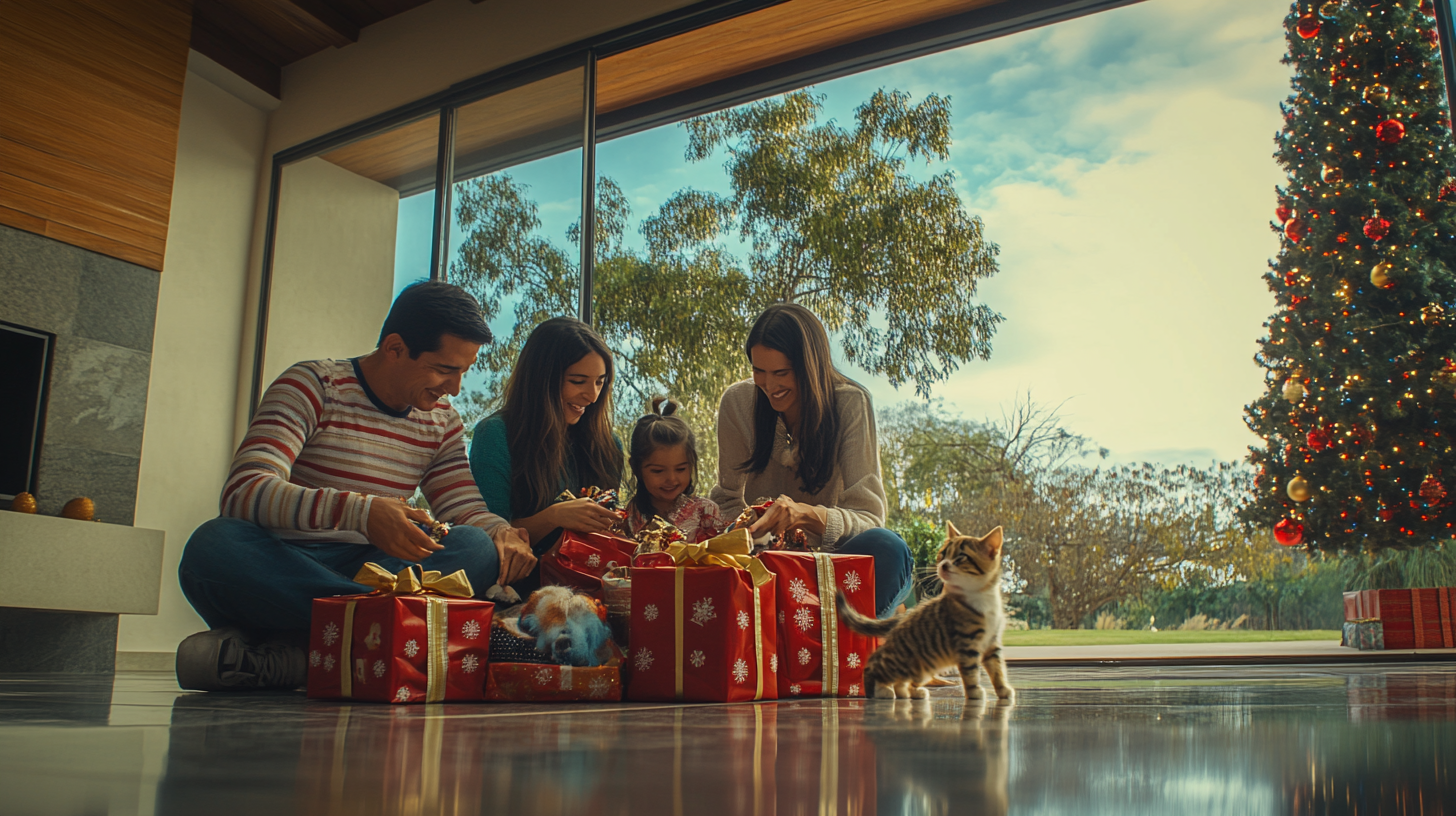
x=554, y=625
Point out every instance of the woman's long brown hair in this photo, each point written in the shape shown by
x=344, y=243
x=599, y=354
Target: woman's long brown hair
x=539, y=438
x=795, y=332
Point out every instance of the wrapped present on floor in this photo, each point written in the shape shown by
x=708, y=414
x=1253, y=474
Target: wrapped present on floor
x=417, y=638
x=1409, y=618
x=580, y=559
x=1363, y=635
x=554, y=683
x=703, y=624
x=818, y=654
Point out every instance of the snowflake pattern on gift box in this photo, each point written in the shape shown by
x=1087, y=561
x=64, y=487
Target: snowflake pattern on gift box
x=852, y=582
x=854, y=689
x=795, y=689
x=314, y=658
x=804, y=618
x=773, y=663
x=328, y=663
x=379, y=668
x=331, y=634
x=643, y=661
x=594, y=560
x=402, y=695
x=598, y=687
x=797, y=590
x=852, y=660
x=805, y=657
x=697, y=658
x=471, y=630
x=469, y=664
x=740, y=671
x=650, y=612
x=742, y=619
x=543, y=676
x=411, y=648
x=703, y=611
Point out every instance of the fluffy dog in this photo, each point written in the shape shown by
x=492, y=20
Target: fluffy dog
x=569, y=628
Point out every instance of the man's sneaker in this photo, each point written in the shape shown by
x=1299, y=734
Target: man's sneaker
x=228, y=660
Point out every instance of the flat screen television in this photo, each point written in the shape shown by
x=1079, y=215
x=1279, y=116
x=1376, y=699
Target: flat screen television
x=25, y=367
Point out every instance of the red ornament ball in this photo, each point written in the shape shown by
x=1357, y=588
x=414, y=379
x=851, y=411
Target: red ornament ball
x=1308, y=26
x=1432, y=37
x=1448, y=190
x=1317, y=439
x=1390, y=131
x=1294, y=229
x=1289, y=533
x=1432, y=491
x=1284, y=212
x=1376, y=228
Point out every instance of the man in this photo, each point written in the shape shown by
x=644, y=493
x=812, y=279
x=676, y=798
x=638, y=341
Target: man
x=318, y=488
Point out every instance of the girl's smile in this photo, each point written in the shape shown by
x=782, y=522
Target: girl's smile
x=584, y=381
x=665, y=475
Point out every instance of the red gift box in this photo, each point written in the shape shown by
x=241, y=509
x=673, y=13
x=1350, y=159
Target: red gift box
x=818, y=654
x=704, y=629
x=550, y=683
x=580, y=559
x=412, y=641
x=1411, y=618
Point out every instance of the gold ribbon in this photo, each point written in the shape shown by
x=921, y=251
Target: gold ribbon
x=436, y=588
x=732, y=549
x=405, y=582
x=437, y=633
x=828, y=625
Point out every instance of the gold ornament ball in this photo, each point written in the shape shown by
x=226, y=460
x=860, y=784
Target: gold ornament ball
x=1432, y=314
x=80, y=509
x=1298, y=489
x=23, y=503
x=1293, y=390
x=1376, y=93
x=1331, y=175
x=1380, y=274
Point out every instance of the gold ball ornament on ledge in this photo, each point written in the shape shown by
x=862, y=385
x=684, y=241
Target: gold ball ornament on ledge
x=80, y=509
x=1298, y=489
x=23, y=503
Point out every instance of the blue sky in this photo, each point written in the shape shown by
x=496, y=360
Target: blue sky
x=1122, y=161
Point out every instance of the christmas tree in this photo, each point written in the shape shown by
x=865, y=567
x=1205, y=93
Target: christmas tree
x=1361, y=352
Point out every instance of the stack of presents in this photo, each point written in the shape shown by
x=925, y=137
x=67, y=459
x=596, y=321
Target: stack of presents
x=649, y=618
x=1400, y=619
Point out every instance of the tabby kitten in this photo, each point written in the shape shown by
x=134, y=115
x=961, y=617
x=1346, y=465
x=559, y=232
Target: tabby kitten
x=961, y=627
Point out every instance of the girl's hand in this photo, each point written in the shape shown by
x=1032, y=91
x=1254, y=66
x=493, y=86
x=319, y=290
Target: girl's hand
x=582, y=516
x=787, y=514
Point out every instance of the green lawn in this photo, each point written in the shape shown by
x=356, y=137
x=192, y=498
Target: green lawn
x=1109, y=637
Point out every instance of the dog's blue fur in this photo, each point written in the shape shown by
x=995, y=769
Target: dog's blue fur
x=578, y=641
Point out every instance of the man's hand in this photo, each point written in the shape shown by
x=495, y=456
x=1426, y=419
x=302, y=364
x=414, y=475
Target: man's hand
x=787, y=514
x=516, y=558
x=582, y=516
x=391, y=528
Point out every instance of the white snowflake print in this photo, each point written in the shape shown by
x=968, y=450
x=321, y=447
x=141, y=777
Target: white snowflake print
x=773, y=663
x=854, y=689
x=411, y=648
x=469, y=664
x=543, y=677
x=805, y=657
x=740, y=671
x=471, y=630
x=379, y=668
x=314, y=658
x=328, y=663
x=643, y=661
x=852, y=582
x=797, y=590
x=331, y=634
x=594, y=560
x=650, y=612
x=598, y=687
x=703, y=611
x=402, y=695
x=795, y=689
x=804, y=618
x=852, y=660
x=742, y=619
x=697, y=658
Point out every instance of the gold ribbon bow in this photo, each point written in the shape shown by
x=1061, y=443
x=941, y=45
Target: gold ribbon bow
x=406, y=582
x=730, y=549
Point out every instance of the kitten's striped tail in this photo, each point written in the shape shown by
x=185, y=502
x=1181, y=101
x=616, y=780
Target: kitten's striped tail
x=859, y=623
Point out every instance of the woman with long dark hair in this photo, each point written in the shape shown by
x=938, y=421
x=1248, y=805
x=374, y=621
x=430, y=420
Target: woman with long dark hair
x=804, y=434
x=553, y=433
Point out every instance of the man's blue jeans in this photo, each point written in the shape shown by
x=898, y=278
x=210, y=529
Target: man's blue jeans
x=894, y=567
x=236, y=573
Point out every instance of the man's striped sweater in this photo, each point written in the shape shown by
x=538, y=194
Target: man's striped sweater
x=322, y=447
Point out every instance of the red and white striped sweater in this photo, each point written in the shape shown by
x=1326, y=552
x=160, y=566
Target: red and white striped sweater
x=321, y=448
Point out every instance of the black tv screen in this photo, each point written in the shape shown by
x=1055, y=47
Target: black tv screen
x=24, y=368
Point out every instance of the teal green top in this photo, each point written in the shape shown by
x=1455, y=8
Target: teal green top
x=490, y=464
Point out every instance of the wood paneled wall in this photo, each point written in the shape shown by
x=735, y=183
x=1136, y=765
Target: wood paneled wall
x=90, y=102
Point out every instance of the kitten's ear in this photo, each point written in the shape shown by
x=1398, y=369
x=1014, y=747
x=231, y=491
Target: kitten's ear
x=992, y=541
x=951, y=531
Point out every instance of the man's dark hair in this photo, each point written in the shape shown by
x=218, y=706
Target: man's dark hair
x=428, y=309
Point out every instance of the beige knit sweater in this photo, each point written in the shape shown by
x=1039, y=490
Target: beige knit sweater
x=854, y=496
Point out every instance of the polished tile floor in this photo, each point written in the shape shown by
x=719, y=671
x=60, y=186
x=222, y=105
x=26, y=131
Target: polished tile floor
x=1245, y=741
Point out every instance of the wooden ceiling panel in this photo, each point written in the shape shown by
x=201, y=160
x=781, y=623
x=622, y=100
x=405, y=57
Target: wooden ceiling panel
x=518, y=113
x=395, y=157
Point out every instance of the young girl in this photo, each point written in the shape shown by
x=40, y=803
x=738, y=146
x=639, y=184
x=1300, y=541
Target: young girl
x=664, y=463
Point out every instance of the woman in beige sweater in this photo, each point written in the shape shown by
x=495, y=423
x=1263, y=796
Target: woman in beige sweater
x=803, y=434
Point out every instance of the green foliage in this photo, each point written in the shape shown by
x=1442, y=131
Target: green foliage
x=1423, y=567
x=1372, y=361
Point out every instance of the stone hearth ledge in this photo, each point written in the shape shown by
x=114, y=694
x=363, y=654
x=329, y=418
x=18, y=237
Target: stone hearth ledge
x=65, y=565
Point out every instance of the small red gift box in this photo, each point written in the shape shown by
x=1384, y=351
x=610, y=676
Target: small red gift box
x=703, y=629
x=818, y=654
x=550, y=683
x=580, y=559
x=1411, y=618
x=412, y=641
